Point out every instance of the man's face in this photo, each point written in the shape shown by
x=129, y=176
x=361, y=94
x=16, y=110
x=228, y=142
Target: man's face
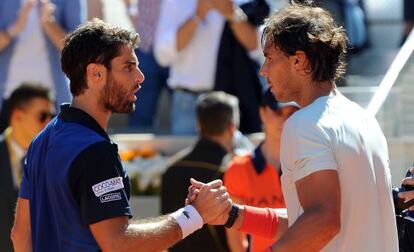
x=33, y=117
x=279, y=72
x=123, y=82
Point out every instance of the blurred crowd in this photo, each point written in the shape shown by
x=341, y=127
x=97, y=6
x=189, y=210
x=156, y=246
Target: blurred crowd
x=187, y=48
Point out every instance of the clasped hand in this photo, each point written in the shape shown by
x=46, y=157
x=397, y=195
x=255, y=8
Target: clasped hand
x=211, y=200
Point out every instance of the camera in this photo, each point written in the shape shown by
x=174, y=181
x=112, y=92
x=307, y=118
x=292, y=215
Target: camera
x=399, y=203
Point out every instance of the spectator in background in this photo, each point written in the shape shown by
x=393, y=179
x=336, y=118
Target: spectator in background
x=349, y=14
x=31, y=108
x=31, y=33
x=145, y=16
x=209, y=45
x=255, y=179
x=95, y=9
x=217, y=120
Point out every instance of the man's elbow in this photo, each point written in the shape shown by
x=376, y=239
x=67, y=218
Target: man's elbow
x=17, y=236
x=20, y=235
x=333, y=225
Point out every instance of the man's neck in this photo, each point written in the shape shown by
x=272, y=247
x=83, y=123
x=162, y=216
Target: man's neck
x=221, y=140
x=314, y=90
x=91, y=107
x=18, y=138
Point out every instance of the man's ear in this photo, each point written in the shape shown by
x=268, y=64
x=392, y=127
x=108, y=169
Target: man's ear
x=232, y=128
x=96, y=72
x=301, y=62
x=16, y=116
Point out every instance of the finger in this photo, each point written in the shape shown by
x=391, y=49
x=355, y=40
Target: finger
x=215, y=183
x=408, y=181
x=193, y=193
x=218, y=192
x=196, y=183
x=191, y=188
x=225, y=205
x=406, y=195
x=224, y=197
x=193, y=196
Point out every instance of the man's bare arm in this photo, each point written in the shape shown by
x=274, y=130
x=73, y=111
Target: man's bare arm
x=245, y=32
x=319, y=195
x=52, y=29
x=187, y=30
x=21, y=233
x=157, y=234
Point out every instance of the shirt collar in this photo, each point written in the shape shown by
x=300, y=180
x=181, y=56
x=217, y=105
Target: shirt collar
x=75, y=115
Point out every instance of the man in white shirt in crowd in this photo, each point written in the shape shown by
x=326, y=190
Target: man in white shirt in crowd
x=188, y=41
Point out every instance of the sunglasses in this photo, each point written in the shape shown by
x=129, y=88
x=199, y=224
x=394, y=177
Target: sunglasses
x=45, y=115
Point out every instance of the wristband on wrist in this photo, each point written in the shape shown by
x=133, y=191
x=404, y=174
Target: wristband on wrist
x=260, y=221
x=233, y=214
x=188, y=219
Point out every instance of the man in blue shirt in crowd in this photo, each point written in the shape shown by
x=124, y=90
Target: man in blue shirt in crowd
x=74, y=192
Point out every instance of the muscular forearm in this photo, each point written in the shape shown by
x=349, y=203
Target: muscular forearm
x=186, y=32
x=156, y=234
x=22, y=240
x=55, y=33
x=245, y=33
x=311, y=232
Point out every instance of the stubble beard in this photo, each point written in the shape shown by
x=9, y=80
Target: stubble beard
x=114, y=97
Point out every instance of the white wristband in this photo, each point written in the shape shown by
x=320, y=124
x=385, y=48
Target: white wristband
x=188, y=219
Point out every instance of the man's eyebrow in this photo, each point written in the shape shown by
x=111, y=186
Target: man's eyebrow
x=131, y=62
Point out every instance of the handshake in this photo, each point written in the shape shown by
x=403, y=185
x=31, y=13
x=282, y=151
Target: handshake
x=210, y=203
x=211, y=200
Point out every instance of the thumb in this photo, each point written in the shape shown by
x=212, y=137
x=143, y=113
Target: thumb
x=196, y=183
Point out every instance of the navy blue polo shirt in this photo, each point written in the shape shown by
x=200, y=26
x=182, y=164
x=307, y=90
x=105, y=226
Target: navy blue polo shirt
x=73, y=177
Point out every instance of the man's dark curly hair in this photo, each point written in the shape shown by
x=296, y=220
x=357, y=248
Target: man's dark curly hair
x=93, y=42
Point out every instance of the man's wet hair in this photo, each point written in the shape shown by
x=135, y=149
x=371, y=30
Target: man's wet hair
x=303, y=27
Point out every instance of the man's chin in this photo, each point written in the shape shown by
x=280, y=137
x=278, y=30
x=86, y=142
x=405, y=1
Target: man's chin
x=125, y=110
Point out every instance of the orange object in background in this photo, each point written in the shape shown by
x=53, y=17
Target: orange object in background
x=145, y=153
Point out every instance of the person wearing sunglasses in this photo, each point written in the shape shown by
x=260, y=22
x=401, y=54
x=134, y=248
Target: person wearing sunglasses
x=31, y=108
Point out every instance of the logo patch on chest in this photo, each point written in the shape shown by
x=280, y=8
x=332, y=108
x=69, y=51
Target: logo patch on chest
x=108, y=185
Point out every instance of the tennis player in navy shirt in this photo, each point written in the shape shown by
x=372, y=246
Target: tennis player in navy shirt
x=74, y=193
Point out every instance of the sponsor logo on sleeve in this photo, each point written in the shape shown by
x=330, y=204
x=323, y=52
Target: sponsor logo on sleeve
x=110, y=197
x=108, y=185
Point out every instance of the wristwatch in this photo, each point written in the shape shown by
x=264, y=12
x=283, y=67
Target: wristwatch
x=234, y=213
